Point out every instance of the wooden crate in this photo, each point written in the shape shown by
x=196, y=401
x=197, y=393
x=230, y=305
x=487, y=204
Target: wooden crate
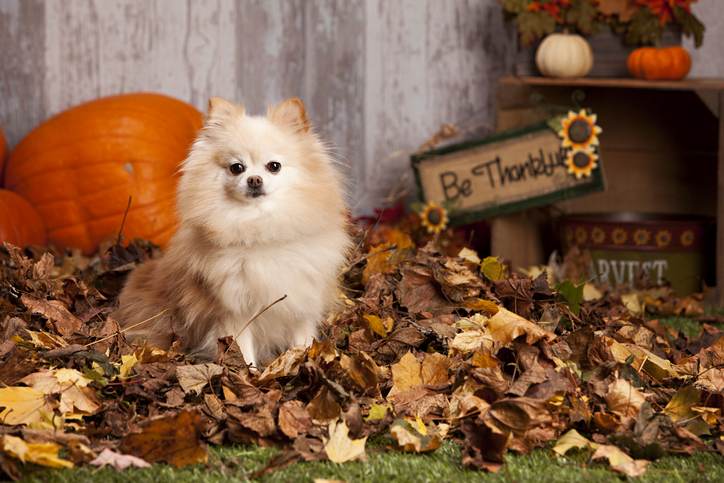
x=661, y=149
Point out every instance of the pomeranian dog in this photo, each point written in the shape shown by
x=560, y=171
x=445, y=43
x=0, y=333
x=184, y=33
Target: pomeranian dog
x=261, y=215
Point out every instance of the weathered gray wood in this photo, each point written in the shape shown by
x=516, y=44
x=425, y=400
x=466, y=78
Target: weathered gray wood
x=22, y=37
x=334, y=76
x=269, y=52
x=378, y=76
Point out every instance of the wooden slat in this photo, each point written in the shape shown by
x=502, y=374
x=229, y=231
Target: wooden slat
x=22, y=37
x=683, y=85
x=334, y=77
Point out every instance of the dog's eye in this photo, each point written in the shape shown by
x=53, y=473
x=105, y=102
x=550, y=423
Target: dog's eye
x=237, y=168
x=273, y=166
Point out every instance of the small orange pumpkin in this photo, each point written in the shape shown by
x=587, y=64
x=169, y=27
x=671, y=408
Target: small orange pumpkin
x=79, y=168
x=667, y=63
x=20, y=223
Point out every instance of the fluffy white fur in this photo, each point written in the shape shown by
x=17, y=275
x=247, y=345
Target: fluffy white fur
x=235, y=253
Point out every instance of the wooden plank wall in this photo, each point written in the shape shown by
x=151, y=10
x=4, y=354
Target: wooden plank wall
x=379, y=76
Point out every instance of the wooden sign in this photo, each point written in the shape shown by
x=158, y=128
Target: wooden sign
x=510, y=171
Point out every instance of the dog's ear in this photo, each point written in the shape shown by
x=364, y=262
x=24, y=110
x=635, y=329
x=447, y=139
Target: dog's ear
x=290, y=113
x=219, y=107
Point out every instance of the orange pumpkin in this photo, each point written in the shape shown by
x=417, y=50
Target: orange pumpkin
x=79, y=168
x=667, y=63
x=20, y=223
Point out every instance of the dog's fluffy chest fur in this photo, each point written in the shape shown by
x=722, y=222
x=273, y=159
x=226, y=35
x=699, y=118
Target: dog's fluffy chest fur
x=245, y=280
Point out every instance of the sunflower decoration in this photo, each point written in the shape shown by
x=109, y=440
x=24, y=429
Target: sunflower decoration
x=619, y=236
x=598, y=235
x=581, y=162
x=641, y=236
x=434, y=218
x=579, y=130
x=687, y=238
x=663, y=238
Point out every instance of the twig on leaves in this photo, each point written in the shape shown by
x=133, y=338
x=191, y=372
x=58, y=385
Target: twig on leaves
x=126, y=329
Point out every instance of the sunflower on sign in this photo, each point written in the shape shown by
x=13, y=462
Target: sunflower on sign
x=581, y=162
x=579, y=130
x=434, y=218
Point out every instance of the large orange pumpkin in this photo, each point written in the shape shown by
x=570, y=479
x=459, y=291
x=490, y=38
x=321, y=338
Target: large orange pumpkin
x=667, y=63
x=20, y=223
x=79, y=168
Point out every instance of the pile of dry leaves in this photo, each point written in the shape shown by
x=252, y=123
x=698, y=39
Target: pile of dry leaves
x=426, y=347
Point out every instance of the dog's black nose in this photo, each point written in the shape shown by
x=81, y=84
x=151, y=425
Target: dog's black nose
x=254, y=181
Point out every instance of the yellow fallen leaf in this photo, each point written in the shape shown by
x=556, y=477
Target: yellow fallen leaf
x=643, y=359
x=45, y=340
x=413, y=436
x=23, y=405
x=406, y=374
x=469, y=255
x=680, y=406
x=482, y=305
x=590, y=292
x=70, y=384
x=572, y=439
x=492, y=268
x=379, y=326
x=709, y=415
x=632, y=302
x=340, y=448
x=127, y=363
x=44, y=454
x=505, y=326
x=377, y=412
x=620, y=461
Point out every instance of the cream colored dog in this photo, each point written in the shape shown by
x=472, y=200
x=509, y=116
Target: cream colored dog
x=262, y=215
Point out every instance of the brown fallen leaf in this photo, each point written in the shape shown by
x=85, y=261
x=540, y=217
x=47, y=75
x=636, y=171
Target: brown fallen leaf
x=624, y=399
x=287, y=364
x=324, y=406
x=175, y=439
x=434, y=369
x=294, y=419
x=484, y=447
x=63, y=321
x=361, y=369
x=195, y=377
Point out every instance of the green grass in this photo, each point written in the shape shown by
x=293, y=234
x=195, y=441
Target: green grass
x=236, y=463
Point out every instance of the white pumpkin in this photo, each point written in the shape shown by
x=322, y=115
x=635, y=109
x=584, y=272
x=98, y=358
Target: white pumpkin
x=564, y=55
